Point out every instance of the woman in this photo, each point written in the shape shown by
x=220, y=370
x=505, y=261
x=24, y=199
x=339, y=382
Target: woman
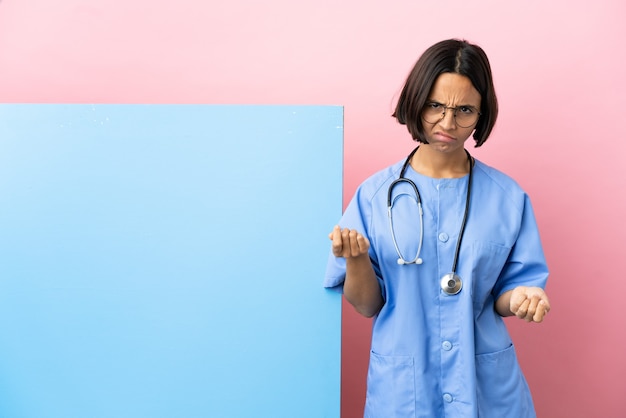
x=438, y=283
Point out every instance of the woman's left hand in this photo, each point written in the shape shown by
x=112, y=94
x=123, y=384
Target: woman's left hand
x=529, y=303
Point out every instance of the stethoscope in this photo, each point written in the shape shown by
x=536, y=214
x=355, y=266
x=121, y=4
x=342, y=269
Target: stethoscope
x=450, y=283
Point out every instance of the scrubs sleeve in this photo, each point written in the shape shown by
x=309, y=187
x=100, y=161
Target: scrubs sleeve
x=357, y=216
x=526, y=264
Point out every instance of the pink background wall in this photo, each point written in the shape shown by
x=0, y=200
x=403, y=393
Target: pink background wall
x=559, y=73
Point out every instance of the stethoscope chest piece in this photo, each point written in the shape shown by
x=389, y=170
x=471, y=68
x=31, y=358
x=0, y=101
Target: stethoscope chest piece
x=451, y=284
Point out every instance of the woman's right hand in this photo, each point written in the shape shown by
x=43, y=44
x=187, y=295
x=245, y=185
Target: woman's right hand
x=348, y=243
x=361, y=287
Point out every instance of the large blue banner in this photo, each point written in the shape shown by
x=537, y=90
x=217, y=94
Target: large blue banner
x=167, y=260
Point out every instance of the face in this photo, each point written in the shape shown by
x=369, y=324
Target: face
x=451, y=90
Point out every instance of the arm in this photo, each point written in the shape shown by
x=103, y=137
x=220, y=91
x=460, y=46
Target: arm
x=361, y=286
x=525, y=274
x=528, y=303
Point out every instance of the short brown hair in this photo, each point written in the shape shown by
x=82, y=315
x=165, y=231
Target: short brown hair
x=449, y=56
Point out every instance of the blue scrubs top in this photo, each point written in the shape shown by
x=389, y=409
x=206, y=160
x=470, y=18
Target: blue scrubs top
x=435, y=355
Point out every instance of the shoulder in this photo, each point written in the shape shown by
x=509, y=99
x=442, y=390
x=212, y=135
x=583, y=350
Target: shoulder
x=369, y=201
x=496, y=176
x=378, y=182
x=495, y=182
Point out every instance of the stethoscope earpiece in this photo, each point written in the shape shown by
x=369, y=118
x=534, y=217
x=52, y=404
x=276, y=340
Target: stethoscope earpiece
x=416, y=261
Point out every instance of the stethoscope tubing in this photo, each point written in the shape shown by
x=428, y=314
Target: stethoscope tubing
x=417, y=259
x=390, y=202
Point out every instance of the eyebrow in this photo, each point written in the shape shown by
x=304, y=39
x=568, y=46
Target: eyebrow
x=460, y=105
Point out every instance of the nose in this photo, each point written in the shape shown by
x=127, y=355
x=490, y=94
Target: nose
x=448, y=121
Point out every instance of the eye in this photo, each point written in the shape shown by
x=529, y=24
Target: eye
x=467, y=110
x=434, y=105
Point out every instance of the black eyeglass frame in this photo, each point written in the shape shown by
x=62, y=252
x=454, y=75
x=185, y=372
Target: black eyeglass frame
x=454, y=109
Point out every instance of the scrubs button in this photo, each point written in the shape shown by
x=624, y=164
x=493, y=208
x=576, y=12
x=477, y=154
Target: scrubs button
x=446, y=345
x=447, y=397
x=443, y=237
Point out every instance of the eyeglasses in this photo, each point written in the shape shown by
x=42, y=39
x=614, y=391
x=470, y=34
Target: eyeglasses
x=464, y=116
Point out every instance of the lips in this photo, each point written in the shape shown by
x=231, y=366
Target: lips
x=439, y=136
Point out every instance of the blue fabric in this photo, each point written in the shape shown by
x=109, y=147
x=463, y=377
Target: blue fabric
x=434, y=354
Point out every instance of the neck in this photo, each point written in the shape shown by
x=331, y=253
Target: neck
x=436, y=164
